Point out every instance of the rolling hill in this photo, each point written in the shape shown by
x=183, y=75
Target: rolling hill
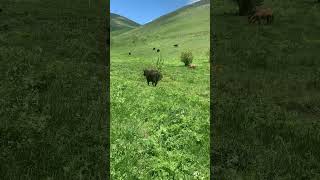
x=187, y=26
x=120, y=24
x=161, y=132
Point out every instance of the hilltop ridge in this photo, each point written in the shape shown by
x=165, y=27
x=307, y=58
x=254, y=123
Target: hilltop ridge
x=121, y=24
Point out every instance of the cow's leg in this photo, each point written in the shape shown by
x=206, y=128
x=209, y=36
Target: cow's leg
x=252, y=19
x=255, y=19
x=268, y=19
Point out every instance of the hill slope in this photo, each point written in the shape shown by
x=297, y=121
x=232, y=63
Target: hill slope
x=120, y=24
x=165, y=128
x=186, y=26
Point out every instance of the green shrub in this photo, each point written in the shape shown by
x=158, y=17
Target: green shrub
x=160, y=62
x=186, y=57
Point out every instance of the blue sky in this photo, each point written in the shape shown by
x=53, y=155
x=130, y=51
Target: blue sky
x=144, y=11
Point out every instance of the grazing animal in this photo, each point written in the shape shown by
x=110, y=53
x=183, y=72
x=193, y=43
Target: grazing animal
x=154, y=48
x=129, y=53
x=176, y=45
x=192, y=66
x=261, y=14
x=153, y=76
x=158, y=50
x=0, y=10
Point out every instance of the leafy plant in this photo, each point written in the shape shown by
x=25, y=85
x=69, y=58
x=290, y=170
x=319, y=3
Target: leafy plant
x=160, y=62
x=186, y=57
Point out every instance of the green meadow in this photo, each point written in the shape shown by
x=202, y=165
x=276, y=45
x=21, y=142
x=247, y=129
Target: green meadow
x=161, y=132
x=52, y=90
x=267, y=101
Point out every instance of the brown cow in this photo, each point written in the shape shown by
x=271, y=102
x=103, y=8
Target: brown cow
x=192, y=66
x=260, y=14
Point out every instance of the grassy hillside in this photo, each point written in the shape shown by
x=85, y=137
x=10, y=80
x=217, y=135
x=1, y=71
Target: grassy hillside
x=188, y=27
x=267, y=100
x=120, y=24
x=161, y=132
x=52, y=105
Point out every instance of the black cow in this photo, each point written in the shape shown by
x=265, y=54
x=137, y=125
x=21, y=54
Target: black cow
x=153, y=76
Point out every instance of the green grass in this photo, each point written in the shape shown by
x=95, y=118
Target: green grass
x=52, y=106
x=161, y=132
x=120, y=24
x=267, y=100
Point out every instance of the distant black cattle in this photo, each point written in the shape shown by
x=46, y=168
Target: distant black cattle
x=158, y=50
x=154, y=48
x=176, y=45
x=0, y=10
x=129, y=53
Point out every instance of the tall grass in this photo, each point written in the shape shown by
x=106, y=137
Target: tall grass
x=52, y=110
x=266, y=102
